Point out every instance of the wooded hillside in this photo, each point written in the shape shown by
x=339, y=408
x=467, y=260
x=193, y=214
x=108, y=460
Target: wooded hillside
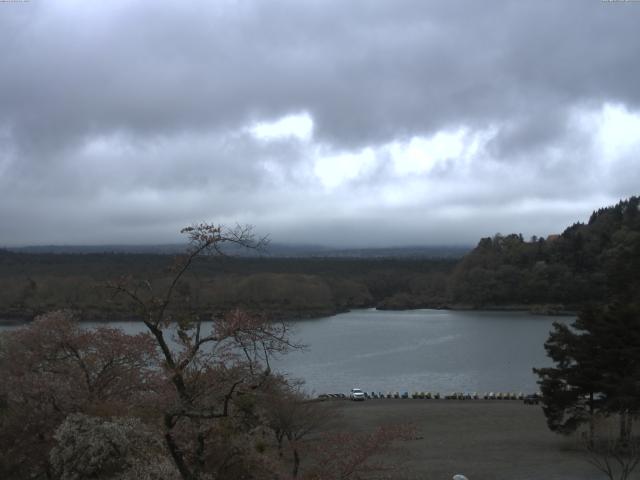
x=586, y=263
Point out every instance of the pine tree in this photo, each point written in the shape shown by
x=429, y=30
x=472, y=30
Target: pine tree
x=597, y=369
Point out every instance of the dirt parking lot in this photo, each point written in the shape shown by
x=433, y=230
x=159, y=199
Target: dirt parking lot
x=482, y=439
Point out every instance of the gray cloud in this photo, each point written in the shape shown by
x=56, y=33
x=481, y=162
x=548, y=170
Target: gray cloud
x=122, y=121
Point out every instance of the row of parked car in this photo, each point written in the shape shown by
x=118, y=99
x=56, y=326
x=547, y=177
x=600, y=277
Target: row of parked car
x=486, y=396
x=358, y=394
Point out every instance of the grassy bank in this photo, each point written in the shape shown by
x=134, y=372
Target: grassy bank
x=492, y=440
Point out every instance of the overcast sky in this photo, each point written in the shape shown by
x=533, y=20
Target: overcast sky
x=355, y=123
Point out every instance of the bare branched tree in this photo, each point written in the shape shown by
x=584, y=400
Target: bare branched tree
x=212, y=366
x=616, y=458
x=293, y=417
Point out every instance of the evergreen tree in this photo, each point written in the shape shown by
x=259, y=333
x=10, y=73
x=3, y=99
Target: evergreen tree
x=597, y=369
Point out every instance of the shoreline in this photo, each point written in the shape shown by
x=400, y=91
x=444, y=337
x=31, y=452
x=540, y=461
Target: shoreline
x=536, y=309
x=19, y=319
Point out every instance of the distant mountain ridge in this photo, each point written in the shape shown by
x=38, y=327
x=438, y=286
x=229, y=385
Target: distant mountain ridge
x=277, y=250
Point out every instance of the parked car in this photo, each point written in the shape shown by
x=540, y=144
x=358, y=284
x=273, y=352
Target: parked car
x=532, y=399
x=356, y=394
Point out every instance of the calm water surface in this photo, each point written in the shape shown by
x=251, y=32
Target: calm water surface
x=422, y=350
x=417, y=350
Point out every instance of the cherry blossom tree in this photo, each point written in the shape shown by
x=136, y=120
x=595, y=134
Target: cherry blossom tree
x=217, y=369
x=53, y=368
x=106, y=449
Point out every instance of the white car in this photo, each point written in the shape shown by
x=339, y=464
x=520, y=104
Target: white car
x=356, y=394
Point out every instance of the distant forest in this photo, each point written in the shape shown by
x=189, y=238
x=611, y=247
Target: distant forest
x=590, y=262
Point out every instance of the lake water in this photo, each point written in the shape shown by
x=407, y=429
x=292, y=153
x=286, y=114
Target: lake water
x=417, y=350
x=422, y=350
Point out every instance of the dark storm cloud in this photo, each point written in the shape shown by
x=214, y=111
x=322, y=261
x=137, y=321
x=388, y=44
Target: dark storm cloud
x=365, y=72
x=120, y=116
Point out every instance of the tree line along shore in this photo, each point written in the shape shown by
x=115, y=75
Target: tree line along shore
x=557, y=274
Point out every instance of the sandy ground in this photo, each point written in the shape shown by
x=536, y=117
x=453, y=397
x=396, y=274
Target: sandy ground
x=482, y=439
